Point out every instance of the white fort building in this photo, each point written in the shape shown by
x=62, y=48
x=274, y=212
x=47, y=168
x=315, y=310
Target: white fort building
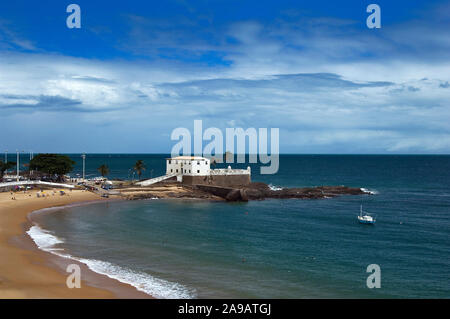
x=188, y=165
x=193, y=170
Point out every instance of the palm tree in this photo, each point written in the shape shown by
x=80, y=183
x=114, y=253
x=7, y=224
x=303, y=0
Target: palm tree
x=139, y=167
x=103, y=170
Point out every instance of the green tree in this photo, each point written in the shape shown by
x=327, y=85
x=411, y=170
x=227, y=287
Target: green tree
x=103, y=170
x=52, y=164
x=4, y=167
x=139, y=167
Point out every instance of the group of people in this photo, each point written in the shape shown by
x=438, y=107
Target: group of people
x=44, y=194
x=39, y=194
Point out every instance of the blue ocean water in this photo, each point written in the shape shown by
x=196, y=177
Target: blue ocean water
x=274, y=248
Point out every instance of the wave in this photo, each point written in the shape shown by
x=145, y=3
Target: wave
x=158, y=288
x=368, y=191
x=275, y=188
x=44, y=239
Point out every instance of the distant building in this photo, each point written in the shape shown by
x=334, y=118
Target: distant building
x=197, y=170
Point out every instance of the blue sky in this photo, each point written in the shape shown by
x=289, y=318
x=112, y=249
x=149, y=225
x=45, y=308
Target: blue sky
x=136, y=70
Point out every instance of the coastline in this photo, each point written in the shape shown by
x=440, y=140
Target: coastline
x=29, y=272
x=31, y=269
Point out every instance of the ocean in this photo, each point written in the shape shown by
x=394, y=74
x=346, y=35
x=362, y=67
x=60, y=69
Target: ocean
x=273, y=248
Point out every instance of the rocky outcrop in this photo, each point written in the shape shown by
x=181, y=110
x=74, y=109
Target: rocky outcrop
x=252, y=191
x=259, y=191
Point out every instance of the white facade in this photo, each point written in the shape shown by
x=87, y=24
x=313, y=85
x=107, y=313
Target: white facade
x=188, y=165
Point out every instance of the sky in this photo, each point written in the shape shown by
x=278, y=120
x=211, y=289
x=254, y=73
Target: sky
x=136, y=70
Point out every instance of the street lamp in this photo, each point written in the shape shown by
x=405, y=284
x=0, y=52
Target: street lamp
x=18, y=164
x=83, y=156
x=31, y=171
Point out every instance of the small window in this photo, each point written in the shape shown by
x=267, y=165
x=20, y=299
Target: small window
x=198, y=171
x=177, y=170
x=171, y=170
x=169, y=161
x=189, y=171
x=198, y=162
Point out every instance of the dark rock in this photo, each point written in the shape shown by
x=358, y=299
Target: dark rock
x=243, y=194
x=253, y=193
x=234, y=195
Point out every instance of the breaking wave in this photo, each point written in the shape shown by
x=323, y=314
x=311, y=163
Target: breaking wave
x=368, y=191
x=275, y=188
x=144, y=282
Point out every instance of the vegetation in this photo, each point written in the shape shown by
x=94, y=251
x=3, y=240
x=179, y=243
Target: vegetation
x=4, y=167
x=103, y=170
x=52, y=164
x=139, y=167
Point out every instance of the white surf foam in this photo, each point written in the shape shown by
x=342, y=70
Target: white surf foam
x=44, y=239
x=275, y=188
x=368, y=191
x=155, y=287
x=144, y=282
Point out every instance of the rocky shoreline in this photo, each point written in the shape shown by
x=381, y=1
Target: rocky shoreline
x=252, y=191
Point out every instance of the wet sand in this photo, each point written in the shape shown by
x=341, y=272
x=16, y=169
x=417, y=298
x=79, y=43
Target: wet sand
x=27, y=272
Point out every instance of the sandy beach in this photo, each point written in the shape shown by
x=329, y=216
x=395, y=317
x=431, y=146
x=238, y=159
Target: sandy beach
x=27, y=272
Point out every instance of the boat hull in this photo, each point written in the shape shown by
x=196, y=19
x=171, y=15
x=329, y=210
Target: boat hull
x=368, y=222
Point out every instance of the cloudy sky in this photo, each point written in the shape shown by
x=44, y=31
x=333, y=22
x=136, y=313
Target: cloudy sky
x=136, y=70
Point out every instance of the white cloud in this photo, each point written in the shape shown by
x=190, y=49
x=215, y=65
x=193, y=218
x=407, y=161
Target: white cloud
x=327, y=86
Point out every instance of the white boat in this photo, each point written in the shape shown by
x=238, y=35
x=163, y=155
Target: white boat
x=365, y=217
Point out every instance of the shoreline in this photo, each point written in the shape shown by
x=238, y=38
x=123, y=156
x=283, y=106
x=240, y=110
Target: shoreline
x=27, y=271
x=31, y=264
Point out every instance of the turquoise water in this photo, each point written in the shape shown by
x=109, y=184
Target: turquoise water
x=276, y=248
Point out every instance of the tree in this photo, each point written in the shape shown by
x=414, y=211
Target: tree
x=52, y=164
x=139, y=167
x=4, y=167
x=103, y=170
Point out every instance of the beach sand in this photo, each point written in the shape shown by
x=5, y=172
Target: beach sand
x=27, y=272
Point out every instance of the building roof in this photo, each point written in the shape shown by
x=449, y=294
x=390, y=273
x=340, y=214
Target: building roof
x=196, y=158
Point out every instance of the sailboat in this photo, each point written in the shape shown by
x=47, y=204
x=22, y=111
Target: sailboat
x=365, y=217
